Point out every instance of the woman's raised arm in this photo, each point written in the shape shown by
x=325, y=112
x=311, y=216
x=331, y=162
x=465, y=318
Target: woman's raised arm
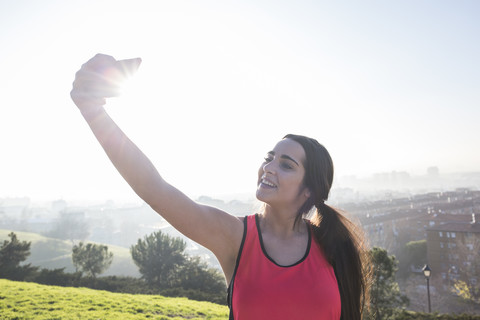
x=213, y=228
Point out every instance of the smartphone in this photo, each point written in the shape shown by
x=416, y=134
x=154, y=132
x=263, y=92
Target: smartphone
x=114, y=77
x=128, y=67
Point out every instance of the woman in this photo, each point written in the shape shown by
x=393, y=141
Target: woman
x=279, y=264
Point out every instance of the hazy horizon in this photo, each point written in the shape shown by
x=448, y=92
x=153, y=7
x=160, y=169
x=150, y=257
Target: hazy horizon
x=384, y=86
x=378, y=186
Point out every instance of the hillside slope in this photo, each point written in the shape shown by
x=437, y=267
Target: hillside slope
x=22, y=300
x=54, y=253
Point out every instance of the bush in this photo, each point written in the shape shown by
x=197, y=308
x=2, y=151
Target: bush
x=409, y=315
x=116, y=284
x=19, y=273
x=55, y=277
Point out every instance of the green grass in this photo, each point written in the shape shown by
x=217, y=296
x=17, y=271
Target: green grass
x=52, y=253
x=22, y=300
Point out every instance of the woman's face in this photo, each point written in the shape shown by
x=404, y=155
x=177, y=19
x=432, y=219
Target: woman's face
x=280, y=177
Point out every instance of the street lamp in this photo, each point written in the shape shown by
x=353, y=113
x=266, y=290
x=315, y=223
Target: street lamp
x=427, y=272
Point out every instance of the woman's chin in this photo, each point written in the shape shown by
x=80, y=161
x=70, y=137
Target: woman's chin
x=261, y=195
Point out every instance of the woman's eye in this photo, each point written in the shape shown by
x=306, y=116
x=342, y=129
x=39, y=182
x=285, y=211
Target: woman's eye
x=267, y=159
x=286, y=165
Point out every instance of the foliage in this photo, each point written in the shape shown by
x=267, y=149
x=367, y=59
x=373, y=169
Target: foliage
x=116, y=284
x=417, y=252
x=158, y=256
x=193, y=279
x=52, y=253
x=59, y=277
x=11, y=254
x=199, y=282
x=91, y=258
x=19, y=300
x=469, y=270
x=414, y=253
x=385, y=293
x=466, y=291
x=196, y=275
x=56, y=277
x=168, y=270
x=410, y=315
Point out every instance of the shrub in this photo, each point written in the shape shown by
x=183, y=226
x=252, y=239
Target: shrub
x=409, y=315
x=55, y=277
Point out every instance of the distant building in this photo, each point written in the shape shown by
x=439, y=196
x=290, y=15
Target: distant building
x=453, y=251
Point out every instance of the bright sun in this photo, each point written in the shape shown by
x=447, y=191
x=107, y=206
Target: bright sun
x=122, y=74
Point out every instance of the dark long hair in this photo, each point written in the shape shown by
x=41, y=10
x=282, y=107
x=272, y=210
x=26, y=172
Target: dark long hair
x=341, y=240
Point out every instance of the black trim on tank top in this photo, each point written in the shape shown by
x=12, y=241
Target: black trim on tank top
x=257, y=221
x=230, y=286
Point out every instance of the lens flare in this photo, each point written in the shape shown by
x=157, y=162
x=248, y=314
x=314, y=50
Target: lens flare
x=115, y=78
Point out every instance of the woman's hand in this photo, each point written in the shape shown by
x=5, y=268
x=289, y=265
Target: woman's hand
x=99, y=78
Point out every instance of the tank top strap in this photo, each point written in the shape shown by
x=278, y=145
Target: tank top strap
x=246, y=223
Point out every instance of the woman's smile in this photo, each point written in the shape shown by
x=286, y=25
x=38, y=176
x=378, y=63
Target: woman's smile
x=265, y=183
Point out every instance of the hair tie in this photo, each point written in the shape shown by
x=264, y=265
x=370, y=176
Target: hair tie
x=320, y=205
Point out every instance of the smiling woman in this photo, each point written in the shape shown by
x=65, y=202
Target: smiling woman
x=320, y=261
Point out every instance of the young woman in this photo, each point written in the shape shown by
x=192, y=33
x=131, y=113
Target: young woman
x=297, y=259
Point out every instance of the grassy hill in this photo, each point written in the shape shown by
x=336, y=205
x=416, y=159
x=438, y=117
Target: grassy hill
x=54, y=253
x=22, y=300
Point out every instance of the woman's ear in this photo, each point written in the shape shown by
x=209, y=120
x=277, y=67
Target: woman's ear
x=307, y=193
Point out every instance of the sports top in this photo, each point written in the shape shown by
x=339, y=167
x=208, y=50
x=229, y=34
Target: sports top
x=262, y=289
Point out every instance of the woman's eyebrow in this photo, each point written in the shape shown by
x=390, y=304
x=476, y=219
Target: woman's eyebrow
x=284, y=156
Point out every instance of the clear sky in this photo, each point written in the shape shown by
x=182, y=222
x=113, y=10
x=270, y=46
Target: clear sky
x=384, y=85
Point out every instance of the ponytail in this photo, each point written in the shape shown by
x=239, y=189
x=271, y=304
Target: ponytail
x=345, y=251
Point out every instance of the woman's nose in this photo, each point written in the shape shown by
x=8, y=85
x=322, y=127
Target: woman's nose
x=269, y=167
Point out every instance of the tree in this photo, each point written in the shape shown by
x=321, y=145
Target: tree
x=158, y=256
x=11, y=254
x=414, y=253
x=385, y=294
x=196, y=275
x=466, y=283
x=93, y=259
x=417, y=253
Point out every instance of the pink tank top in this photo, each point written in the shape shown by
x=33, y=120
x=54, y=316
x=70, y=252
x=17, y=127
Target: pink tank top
x=262, y=289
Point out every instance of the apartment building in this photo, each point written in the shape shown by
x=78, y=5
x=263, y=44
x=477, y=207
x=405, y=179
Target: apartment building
x=453, y=251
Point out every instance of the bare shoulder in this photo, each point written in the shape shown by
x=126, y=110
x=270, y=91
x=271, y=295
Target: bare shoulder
x=226, y=246
x=228, y=229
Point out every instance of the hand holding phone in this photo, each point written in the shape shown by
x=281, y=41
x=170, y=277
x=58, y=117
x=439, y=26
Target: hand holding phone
x=101, y=77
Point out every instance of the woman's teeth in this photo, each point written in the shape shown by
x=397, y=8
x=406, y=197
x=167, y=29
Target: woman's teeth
x=268, y=183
